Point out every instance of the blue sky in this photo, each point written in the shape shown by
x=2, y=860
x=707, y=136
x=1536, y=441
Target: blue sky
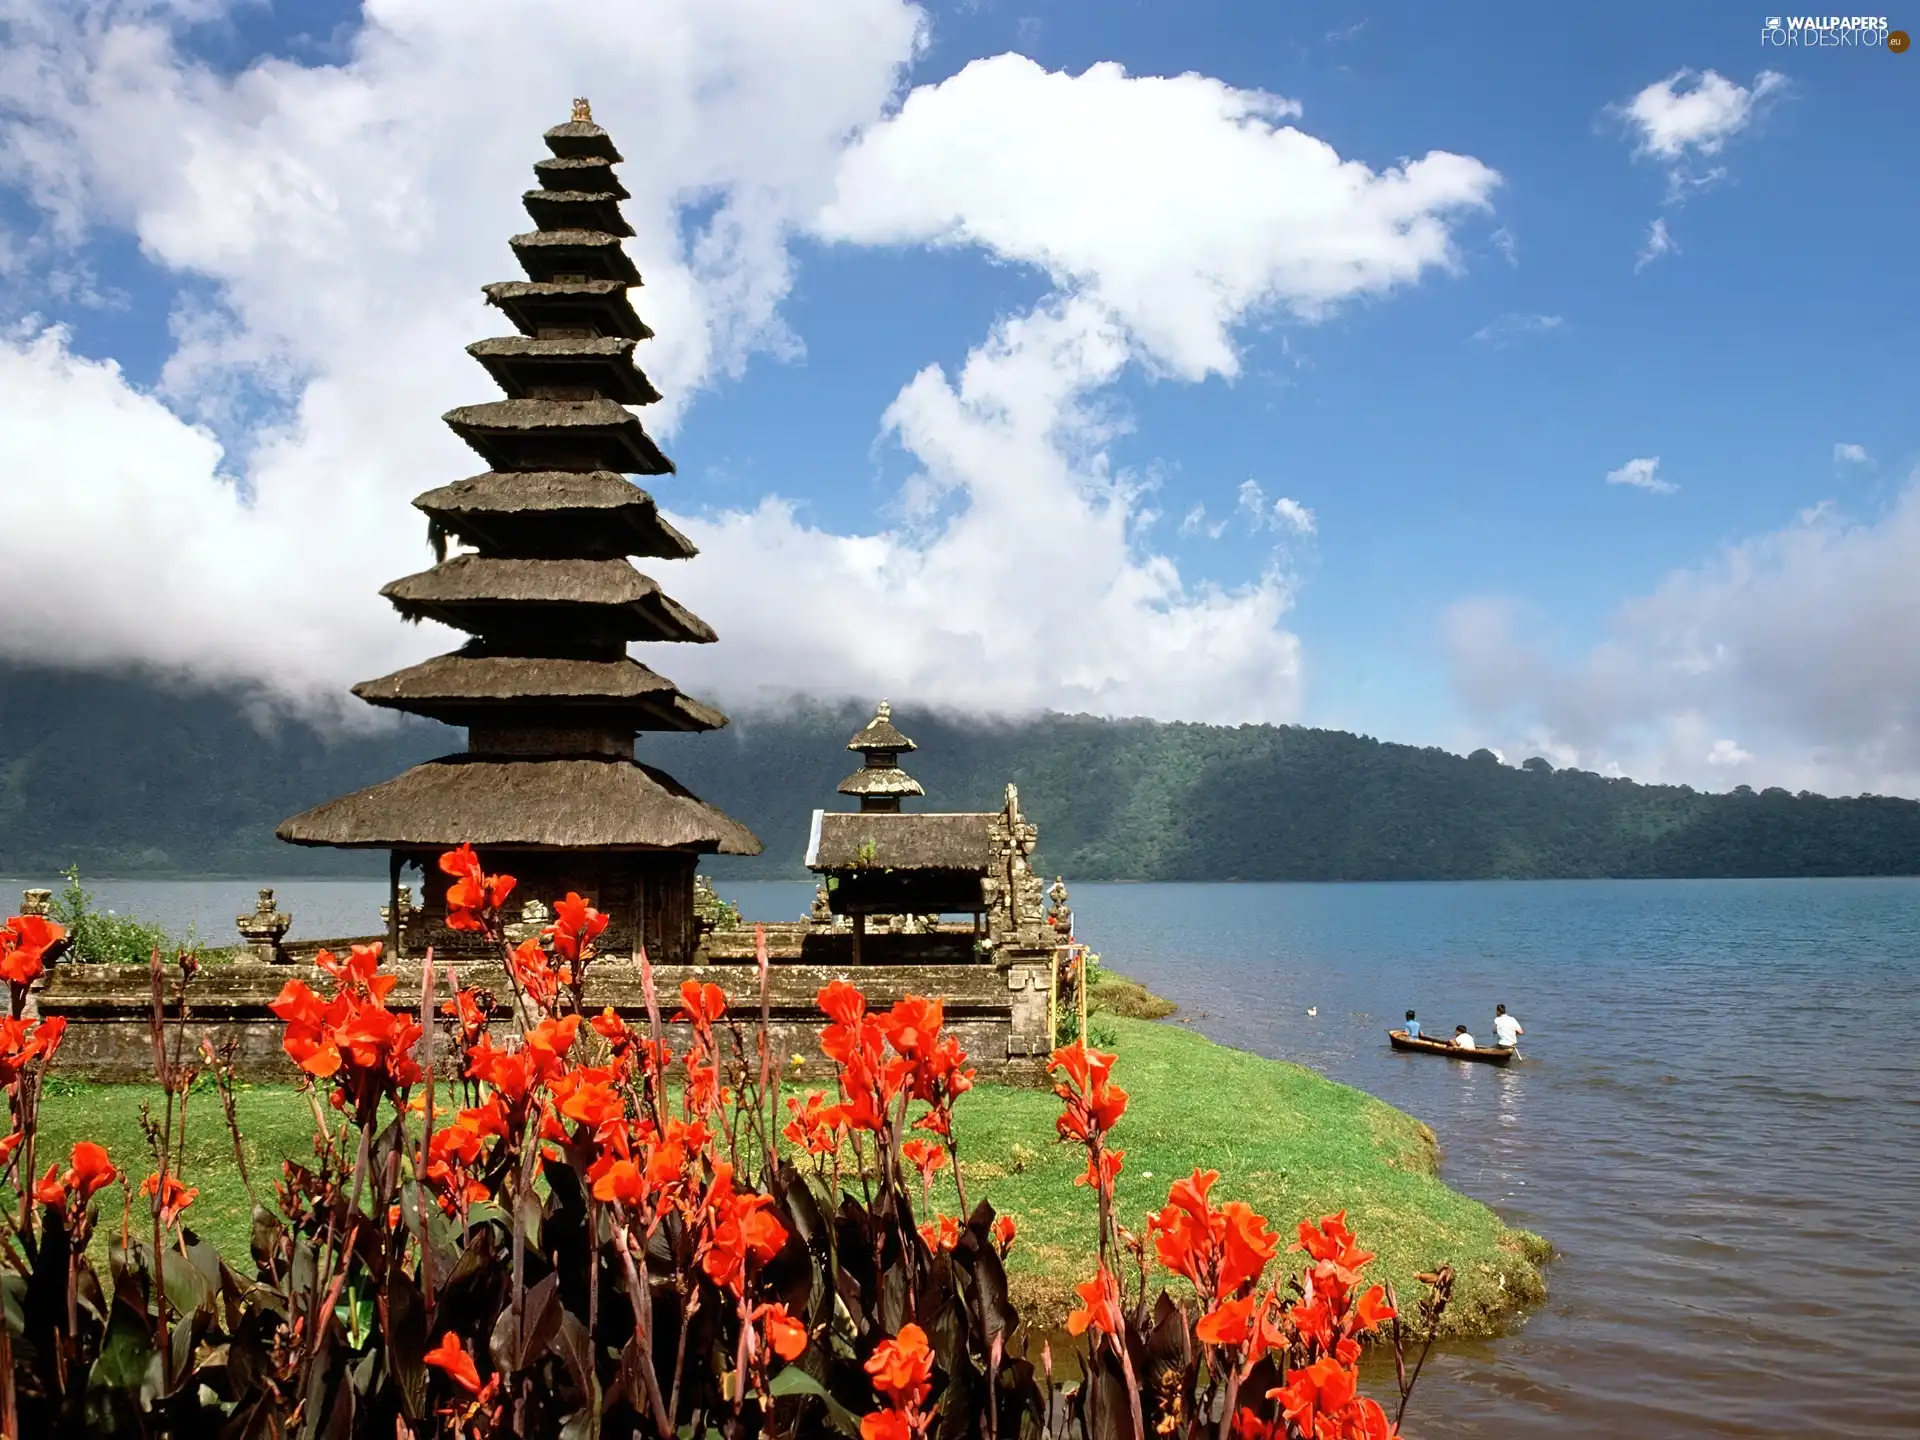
x=1459, y=569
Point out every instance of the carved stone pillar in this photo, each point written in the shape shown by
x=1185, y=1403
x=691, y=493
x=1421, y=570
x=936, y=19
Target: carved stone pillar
x=265, y=930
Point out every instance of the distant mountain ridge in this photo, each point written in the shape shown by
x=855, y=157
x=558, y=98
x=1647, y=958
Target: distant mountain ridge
x=125, y=774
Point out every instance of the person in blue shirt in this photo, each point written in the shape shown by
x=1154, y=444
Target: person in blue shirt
x=1413, y=1026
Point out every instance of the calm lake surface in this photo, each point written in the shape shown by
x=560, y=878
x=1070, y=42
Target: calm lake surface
x=1717, y=1121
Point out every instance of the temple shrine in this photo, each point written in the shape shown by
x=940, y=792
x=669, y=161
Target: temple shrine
x=550, y=787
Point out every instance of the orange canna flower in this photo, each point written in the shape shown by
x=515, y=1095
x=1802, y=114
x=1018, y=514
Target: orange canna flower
x=173, y=1199
x=786, y=1336
x=90, y=1170
x=49, y=1191
x=885, y=1425
x=1003, y=1232
x=576, y=926
x=941, y=1233
x=473, y=893
x=451, y=1356
x=702, y=1004
x=902, y=1367
x=1100, y=1308
x=1226, y=1324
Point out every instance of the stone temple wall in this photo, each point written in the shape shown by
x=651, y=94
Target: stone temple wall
x=999, y=1013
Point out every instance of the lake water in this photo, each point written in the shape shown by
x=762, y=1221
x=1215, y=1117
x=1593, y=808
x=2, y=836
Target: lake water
x=1717, y=1121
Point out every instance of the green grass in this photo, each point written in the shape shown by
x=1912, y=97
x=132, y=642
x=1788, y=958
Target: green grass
x=1286, y=1140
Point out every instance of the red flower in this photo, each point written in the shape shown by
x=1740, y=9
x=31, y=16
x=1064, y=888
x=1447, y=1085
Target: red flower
x=23, y=947
x=576, y=926
x=885, y=1425
x=926, y=1156
x=912, y=1025
x=24, y=1041
x=785, y=1335
x=1100, y=1308
x=941, y=1233
x=473, y=896
x=816, y=1126
x=91, y=1171
x=1003, y=1232
x=1324, y=1388
x=1226, y=1324
x=49, y=1191
x=842, y=1003
x=704, y=1004
x=902, y=1367
x=173, y=1199
x=451, y=1356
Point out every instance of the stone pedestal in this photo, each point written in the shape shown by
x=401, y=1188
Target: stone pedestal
x=265, y=930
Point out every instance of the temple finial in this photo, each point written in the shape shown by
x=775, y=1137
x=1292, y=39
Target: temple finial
x=582, y=112
x=885, y=712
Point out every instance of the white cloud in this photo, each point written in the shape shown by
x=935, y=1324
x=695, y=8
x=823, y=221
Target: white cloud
x=343, y=218
x=1781, y=639
x=1283, y=516
x=1846, y=454
x=1195, y=523
x=1247, y=214
x=1513, y=327
x=1658, y=243
x=1508, y=246
x=1693, y=113
x=1642, y=474
x=1727, y=753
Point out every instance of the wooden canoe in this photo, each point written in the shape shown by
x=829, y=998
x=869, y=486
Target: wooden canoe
x=1487, y=1054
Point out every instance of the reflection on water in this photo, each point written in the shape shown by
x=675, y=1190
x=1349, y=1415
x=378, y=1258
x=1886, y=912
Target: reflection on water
x=1716, y=1120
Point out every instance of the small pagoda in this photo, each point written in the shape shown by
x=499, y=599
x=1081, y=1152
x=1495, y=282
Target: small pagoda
x=549, y=788
x=880, y=783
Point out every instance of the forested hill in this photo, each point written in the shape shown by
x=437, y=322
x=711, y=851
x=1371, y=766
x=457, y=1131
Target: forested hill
x=122, y=774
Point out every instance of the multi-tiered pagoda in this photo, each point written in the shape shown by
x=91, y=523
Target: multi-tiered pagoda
x=880, y=783
x=549, y=788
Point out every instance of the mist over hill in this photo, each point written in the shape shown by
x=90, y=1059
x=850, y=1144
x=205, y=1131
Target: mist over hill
x=126, y=774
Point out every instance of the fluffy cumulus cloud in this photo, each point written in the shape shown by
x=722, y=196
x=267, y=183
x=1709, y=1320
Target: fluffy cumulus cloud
x=334, y=223
x=1765, y=665
x=1693, y=113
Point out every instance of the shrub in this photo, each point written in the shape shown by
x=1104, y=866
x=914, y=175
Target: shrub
x=100, y=936
x=600, y=1235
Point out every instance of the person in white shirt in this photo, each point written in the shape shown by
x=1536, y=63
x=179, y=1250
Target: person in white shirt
x=1462, y=1038
x=1506, y=1030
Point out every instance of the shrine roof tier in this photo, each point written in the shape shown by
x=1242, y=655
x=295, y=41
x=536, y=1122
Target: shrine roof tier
x=593, y=514
x=558, y=804
x=591, y=173
x=598, y=307
x=559, y=435
x=602, y=365
x=880, y=780
x=880, y=735
x=520, y=601
x=860, y=841
x=555, y=210
x=549, y=255
x=582, y=139
x=470, y=689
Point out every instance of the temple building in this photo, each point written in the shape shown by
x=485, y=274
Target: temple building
x=549, y=787
x=888, y=874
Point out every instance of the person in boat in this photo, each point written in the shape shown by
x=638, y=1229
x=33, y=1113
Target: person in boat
x=1462, y=1038
x=1413, y=1026
x=1506, y=1030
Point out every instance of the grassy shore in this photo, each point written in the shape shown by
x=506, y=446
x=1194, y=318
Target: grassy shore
x=1288, y=1141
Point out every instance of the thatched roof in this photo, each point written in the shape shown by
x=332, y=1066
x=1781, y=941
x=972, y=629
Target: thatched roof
x=602, y=364
x=555, y=512
x=874, y=780
x=467, y=689
x=596, y=254
x=576, y=210
x=485, y=594
x=550, y=434
x=900, y=842
x=580, y=138
x=879, y=733
x=598, y=305
x=551, y=804
x=591, y=173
